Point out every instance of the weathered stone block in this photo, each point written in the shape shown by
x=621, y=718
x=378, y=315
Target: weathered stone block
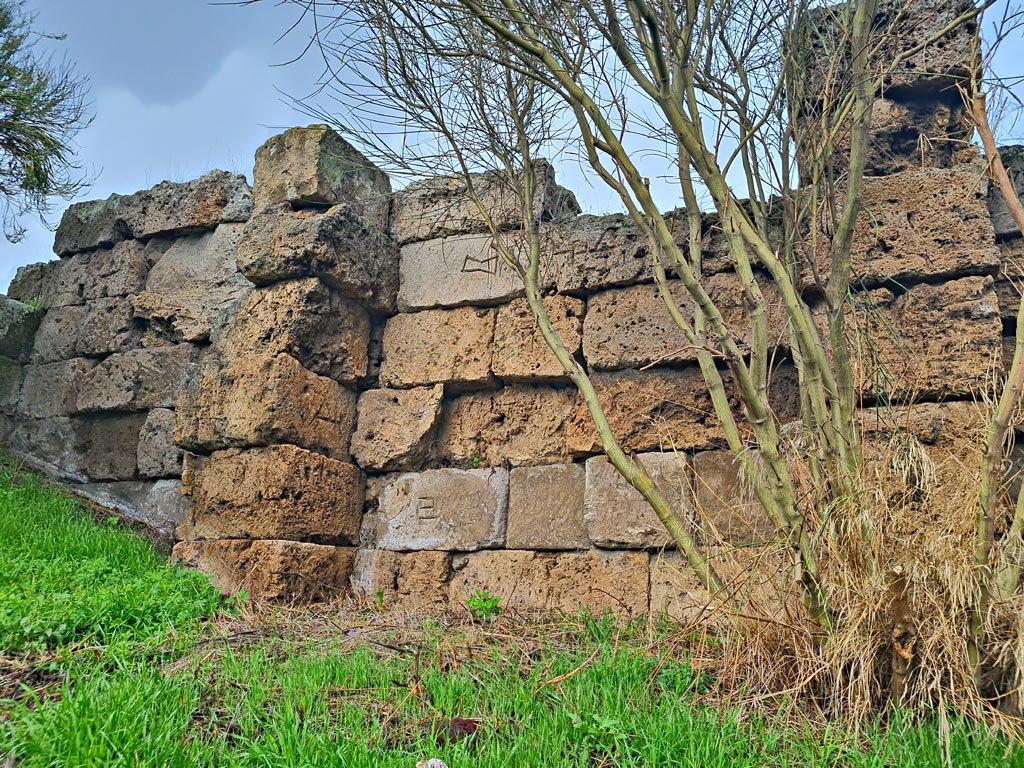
x=759, y=579
x=18, y=325
x=612, y=582
x=411, y=580
x=444, y=509
x=451, y=346
x=932, y=341
x=618, y=517
x=314, y=165
x=259, y=401
x=31, y=283
x=327, y=333
x=520, y=352
x=545, y=508
x=51, y=389
x=337, y=246
x=395, y=428
x=57, y=337
x=281, y=492
x=271, y=570
x=136, y=380
x=443, y=206
x=158, y=505
x=108, y=326
x=727, y=509
x=456, y=271
x=649, y=410
x=194, y=280
x=1002, y=221
x=11, y=377
x=166, y=209
x=1010, y=279
x=520, y=425
x=157, y=454
x=80, y=448
x=632, y=327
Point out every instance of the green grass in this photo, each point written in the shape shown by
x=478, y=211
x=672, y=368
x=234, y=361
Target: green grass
x=134, y=679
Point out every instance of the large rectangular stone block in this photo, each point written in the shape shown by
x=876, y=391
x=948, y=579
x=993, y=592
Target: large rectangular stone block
x=410, y=580
x=82, y=449
x=1002, y=221
x=11, y=377
x=281, y=492
x=108, y=326
x=1010, y=278
x=306, y=319
x=358, y=260
x=158, y=505
x=727, y=509
x=649, y=410
x=451, y=346
x=456, y=271
x=520, y=351
x=444, y=206
x=618, y=517
x=51, y=389
x=18, y=325
x=444, y=509
x=157, y=454
x=259, y=401
x=396, y=427
x=519, y=425
x=545, y=508
x=603, y=582
x=194, y=280
x=932, y=341
x=271, y=570
x=315, y=166
x=137, y=380
x=632, y=327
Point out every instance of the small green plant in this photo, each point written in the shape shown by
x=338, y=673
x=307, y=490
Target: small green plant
x=484, y=606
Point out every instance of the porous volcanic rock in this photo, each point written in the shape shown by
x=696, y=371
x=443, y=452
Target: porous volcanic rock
x=452, y=346
x=520, y=351
x=396, y=427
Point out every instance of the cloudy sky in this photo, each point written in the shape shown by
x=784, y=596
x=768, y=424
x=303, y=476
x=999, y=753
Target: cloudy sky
x=180, y=87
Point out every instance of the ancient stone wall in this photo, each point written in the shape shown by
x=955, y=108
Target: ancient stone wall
x=327, y=388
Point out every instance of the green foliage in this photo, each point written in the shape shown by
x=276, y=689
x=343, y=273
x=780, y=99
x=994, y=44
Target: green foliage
x=484, y=606
x=64, y=578
x=42, y=108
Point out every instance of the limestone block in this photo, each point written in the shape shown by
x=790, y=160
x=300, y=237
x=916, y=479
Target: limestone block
x=727, y=509
x=1002, y=221
x=545, y=508
x=632, y=327
x=271, y=570
x=18, y=325
x=11, y=377
x=157, y=454
x=443, y=206
x=444, y=509
x=932, y=341
x=158, y=505
x=280, y=492
x=618, y=517
x=314, y=165
x=259, y=401
x=931, y=72
x=603, y=582
x=337, y=246
x=451, y=346
x=51, y=389
x=327, y=333
x=395, y=428
x=169, y=208
x=456, y=271
x=194, y=280
x=517, y=426
x=410, y=580
x=108, y=326
x=520, y=352
x=922, y=225
x=649, y=410
x=136, y=380
x=81, y=448
x=761, y=579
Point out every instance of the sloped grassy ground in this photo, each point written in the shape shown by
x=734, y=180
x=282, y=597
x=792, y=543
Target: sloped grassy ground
x=111, y=657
